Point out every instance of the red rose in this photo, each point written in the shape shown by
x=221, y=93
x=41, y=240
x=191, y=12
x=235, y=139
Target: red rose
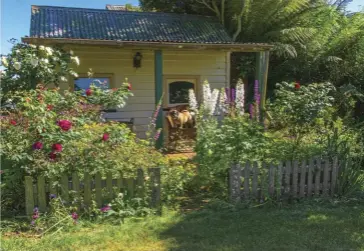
x=105, y=137
x=65, y=125
x=52, y=156
x=297, y=86
x=49, y=107
x=37, y=145
x=13, y=122
x=57, y=147
x=88, y=92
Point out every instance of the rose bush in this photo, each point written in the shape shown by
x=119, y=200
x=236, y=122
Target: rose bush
x=52, y=133
x=28, y=65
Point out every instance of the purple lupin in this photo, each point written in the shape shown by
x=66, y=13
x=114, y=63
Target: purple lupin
x=233, y=95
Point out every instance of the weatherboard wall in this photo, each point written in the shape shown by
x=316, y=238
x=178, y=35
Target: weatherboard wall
x=212, y=66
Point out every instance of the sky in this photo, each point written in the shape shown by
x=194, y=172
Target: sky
x=15, y=14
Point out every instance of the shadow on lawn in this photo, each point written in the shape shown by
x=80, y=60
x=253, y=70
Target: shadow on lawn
x=297, y=227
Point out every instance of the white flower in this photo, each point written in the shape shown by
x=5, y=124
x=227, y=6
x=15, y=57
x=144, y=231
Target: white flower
x=4, y=61
x=32, y=46
x=75, y=75
x=120, y=195
x=45, y=60
x=223, y=105
x=76, y=60
x=71, y=52
x=63, y=79
x=17, y=51
x=42, y=48
x=209, y=99
x=240, y=97
x=206, y=92
x=49, y=51
x=192, y=100
x=34, y=61
x=17, y=66
x=213, y=101
x=16, y=76
x=90, y=73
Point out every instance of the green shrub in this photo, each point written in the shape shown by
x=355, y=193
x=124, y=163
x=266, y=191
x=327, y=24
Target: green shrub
x=177, y=179
x=124, y=207
x=52, y=134
x=28, y=65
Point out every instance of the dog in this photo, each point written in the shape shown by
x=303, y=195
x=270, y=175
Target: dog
x=180, y=118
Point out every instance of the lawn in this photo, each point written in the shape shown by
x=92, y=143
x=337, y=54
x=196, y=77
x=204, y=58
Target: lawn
x=219, y=226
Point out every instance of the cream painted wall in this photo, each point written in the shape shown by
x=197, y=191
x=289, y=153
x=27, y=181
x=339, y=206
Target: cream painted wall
x=212, y=66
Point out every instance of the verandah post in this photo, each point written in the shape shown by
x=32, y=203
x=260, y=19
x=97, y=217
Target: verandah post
x=158, y=75
x=261, y=74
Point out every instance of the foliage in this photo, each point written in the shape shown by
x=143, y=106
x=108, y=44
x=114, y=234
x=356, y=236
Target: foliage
x=347, y=144
x=298, y=107
x=237, y=139
x=177, y=178
x=28, y=65
x=51, y=134
x=59, y=218
x=124, y=207
x=301, y=125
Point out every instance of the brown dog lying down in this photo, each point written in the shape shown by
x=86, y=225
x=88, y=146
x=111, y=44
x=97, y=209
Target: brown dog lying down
x=180, y=117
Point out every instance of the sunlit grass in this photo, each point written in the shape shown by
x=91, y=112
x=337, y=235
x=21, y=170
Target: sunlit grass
x=217, y=228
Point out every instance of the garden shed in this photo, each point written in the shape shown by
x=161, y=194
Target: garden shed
x=161, y=54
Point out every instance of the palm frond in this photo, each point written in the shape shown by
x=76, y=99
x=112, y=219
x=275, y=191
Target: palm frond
x=284, y=50
x=293, y=34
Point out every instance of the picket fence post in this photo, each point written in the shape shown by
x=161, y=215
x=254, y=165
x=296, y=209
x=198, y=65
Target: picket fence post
x=235, y=183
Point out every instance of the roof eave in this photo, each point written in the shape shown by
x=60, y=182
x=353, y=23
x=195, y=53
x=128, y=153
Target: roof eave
x=247, y=47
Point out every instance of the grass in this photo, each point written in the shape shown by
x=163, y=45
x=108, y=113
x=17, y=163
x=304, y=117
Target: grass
x=218, y=227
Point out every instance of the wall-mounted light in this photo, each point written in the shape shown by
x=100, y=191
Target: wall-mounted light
x=137, y=62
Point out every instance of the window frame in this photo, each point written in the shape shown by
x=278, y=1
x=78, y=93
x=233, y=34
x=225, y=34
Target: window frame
x=95, y=75
x=166, y=81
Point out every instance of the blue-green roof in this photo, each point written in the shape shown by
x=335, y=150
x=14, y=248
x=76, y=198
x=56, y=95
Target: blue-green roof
x=79, y=23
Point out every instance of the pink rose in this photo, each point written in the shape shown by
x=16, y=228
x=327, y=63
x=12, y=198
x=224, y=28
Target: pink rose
x=57, y=147
x=105, y=137
x=65, y=125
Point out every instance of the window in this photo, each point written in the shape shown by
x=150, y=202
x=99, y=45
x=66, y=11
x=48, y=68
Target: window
x=85, y=83
x=178, y=91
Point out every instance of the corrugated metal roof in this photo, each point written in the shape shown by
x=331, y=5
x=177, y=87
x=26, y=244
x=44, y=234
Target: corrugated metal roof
x=79, y=23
